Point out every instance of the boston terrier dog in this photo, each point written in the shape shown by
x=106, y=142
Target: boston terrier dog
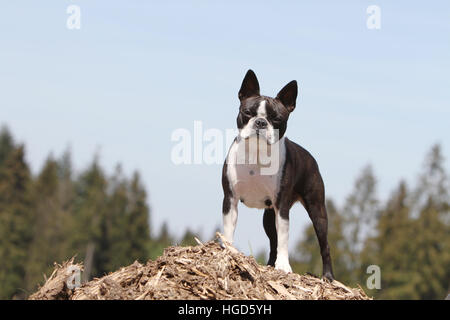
x=265, y=170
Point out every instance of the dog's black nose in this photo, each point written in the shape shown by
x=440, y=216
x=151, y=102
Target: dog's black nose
x=260, y=123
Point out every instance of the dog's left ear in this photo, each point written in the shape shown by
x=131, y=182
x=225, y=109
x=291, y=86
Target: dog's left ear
x=288, y=95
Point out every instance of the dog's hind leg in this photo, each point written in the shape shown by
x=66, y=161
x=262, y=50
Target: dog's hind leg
x=318, y=214
x=271, y=232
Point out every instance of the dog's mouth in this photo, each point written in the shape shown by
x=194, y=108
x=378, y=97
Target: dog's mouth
x=257, y=133
x=260, y=135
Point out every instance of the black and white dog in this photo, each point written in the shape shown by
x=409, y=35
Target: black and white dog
x=266, y=170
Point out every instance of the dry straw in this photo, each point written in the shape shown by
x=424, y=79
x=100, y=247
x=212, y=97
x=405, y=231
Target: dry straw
x=205, y=271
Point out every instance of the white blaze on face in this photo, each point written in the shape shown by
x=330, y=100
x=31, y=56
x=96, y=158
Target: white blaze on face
x=261, y=113
x=249, y=129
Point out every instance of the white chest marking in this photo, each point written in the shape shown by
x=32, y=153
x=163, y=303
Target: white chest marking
x=254, y=189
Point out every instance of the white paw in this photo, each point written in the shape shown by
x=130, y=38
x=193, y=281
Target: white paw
x=226, y=241
x=283, y=264
x=225, y=245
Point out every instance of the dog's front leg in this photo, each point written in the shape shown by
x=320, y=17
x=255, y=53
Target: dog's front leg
x=282, y=225
x=229, y=215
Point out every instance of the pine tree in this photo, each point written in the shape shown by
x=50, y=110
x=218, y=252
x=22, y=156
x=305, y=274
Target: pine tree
x=158, y=244
x=138, y=222
x=360, y=215
x=114, y=223
x=412, y=245
x=432, y=228
x=49, y=230
x=66, y=190
x=431, y=254
x=433, y=183
x=188, y=238
x=66, y=200
x=392, y=249
x=88, y=241
x=6, y=144
x=16, y=221
x=104, y=222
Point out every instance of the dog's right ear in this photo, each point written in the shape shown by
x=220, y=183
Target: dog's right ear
x=250, y=86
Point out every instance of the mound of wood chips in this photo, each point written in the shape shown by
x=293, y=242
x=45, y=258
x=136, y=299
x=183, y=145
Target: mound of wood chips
x=205, y=271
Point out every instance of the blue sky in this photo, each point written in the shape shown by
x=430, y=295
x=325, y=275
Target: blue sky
x=138, y=70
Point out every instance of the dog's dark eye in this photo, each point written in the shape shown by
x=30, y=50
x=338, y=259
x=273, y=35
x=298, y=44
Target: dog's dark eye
x=246, y=113
x=276, y=121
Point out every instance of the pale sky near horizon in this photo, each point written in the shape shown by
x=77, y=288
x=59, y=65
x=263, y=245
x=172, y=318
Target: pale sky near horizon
x=136, y=71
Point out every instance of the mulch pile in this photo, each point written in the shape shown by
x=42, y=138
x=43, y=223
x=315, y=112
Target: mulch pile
x=205, y=271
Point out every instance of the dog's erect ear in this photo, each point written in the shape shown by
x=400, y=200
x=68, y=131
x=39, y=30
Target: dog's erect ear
x=250, y=86
x=288, y=95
